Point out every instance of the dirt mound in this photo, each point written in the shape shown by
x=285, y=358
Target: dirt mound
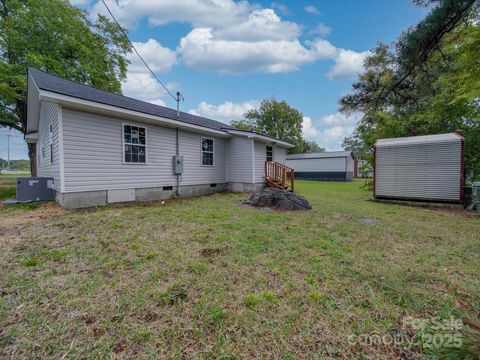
x=278, y=199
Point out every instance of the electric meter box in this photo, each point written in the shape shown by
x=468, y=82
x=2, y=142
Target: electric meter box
x=178, y=165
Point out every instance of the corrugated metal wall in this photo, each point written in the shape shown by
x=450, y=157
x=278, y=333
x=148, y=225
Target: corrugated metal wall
x=421, y=171
x=337, y=164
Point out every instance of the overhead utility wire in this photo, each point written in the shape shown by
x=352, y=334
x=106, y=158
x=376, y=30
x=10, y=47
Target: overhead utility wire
x=176, y=98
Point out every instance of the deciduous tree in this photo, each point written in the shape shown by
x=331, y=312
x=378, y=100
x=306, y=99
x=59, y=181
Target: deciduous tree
x=402, y=93
x=57, y=37
x=277, y=119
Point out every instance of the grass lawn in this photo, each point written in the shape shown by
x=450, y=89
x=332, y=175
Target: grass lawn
x=7, y=186
x=207, y=278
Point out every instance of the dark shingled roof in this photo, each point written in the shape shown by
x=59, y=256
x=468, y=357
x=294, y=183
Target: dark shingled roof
x=49, y=82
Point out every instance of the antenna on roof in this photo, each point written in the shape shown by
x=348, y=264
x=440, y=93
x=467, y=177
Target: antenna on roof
x=179, y=97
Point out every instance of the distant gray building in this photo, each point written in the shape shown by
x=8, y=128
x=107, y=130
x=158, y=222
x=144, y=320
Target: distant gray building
x=102, y=148
x=420, y=168
x=323, y=166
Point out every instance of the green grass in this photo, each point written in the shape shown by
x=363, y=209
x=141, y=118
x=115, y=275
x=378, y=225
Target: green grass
x=207, y=278
x=7, y=186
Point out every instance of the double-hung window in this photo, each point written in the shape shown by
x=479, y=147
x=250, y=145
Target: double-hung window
x=269, y=153
x=134, y=144
x=207, y=152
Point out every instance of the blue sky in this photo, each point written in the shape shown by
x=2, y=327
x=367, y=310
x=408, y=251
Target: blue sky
x=226, y=56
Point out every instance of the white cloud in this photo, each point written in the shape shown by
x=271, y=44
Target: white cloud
x=348, y=64
x=225, y=112
x=338, y=127
x=281, y=8
x=323, y=49
x=158, y=58
x=321, y=29
x=309, y=130
x=331, y=138
x=79, y=2
x=331, y=129
x=196, y=12
x=261, y=24
x=201, y=49
x=231, y=37
x=312, y=10
x=341, y=119
x=142, y=86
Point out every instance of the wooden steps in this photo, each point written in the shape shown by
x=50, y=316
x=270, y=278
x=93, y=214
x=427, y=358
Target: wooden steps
x=279, y=176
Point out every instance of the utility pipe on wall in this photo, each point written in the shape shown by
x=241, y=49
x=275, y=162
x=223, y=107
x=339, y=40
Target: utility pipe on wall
x=177, y=153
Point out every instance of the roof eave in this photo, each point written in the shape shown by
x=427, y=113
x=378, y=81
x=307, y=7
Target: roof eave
x=33, y=104
x=104, y=109
x=264, y=138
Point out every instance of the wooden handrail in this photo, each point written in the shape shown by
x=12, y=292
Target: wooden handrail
x=276, y=175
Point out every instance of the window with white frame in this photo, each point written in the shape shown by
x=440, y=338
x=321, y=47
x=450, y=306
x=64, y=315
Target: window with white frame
x=270, y=153
x=134, y=144
x=207, y=151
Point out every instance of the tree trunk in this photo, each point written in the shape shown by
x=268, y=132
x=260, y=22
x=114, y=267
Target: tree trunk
x=21, y=111
x=32, y=154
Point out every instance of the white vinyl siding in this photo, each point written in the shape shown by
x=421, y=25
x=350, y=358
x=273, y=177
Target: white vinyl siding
x=240, y=159
x=48, y=147
x=280, y=155
x=99, y=166
x=260, y=158
x=193, y=171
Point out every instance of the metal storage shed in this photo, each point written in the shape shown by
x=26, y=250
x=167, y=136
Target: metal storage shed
x=420, y=168
x=325, y=166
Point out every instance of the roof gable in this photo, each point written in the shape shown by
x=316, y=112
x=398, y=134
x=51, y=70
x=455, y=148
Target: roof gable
x=55, y=84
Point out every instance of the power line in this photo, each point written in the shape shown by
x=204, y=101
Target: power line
x=176, y=98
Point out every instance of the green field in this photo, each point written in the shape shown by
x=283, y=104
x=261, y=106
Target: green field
x=208, y=278
x=7, y=186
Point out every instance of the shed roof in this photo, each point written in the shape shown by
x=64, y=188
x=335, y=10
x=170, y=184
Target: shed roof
x=319, y=155
x=415, y=140
x=53, y=83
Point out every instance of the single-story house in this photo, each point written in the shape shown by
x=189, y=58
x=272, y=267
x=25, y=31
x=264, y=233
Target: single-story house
x=101, y=147
x=324, y=166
